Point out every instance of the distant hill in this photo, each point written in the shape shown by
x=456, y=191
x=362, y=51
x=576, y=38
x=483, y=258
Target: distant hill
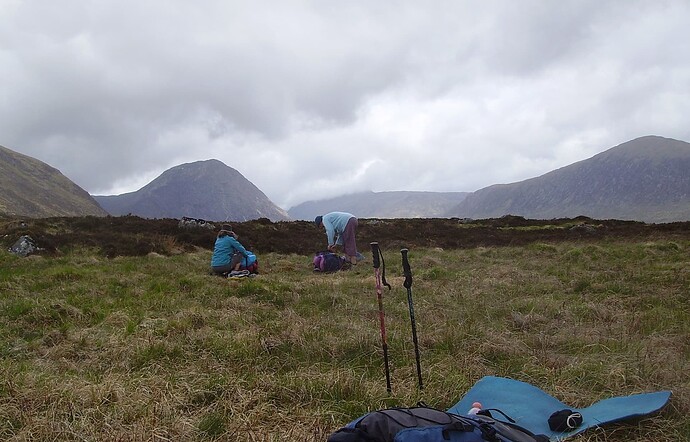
x=208, y=190
x=34, y=189
x=382, y=205
x=646, y=179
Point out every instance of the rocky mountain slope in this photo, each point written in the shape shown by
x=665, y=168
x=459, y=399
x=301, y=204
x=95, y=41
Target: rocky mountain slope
x=646, y=179
x=208, y=190
x=31, y=188
x=382, y=205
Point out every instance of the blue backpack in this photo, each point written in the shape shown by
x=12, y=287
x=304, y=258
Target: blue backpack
x=327, y=262
x=424, y=424
x=250, y=263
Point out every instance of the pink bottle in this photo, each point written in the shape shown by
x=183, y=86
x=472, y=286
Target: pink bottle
x=476, y=406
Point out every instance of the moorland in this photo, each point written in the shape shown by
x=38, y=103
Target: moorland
x=115, y=330
x=136, y=236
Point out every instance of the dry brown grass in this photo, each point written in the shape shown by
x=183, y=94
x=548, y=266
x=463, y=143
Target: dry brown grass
x=153, y=348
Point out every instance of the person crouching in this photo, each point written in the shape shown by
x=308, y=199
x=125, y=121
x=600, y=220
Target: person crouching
x=227, y=252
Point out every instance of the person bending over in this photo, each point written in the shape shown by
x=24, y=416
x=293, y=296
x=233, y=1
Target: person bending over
x=340, y=230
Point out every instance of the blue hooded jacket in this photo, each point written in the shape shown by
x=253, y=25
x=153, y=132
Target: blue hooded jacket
x=223, y=250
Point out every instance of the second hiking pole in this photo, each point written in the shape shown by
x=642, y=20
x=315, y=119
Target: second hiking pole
x=375, y=252
x=408, y=285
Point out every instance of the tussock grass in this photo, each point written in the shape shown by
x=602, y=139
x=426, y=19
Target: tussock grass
x=155, y=348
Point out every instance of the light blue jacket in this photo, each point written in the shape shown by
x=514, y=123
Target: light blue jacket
x=223, y=250
x=335, y=223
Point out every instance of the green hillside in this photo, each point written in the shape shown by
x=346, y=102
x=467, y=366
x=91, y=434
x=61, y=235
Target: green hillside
x=34, y=189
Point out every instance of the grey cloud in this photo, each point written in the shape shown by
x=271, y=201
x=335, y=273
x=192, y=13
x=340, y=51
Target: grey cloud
x=478, y=92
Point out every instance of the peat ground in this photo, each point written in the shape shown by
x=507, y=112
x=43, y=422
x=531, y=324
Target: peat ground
x=134, y=236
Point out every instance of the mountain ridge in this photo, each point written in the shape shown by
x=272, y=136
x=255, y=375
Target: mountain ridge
x=645, y=179
x=389, y=204
x=207, y=189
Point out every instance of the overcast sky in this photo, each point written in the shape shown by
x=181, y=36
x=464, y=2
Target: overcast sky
x=314, y=99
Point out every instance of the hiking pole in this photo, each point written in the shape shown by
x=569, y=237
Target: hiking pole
x=408, y=285
x=375, y=252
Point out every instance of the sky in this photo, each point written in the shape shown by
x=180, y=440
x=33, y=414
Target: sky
x=314, y=99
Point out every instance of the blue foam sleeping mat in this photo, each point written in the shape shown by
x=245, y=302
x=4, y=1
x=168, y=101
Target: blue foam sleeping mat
x=531, y=407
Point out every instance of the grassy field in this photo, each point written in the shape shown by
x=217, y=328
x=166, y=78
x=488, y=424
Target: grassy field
x=154, y=348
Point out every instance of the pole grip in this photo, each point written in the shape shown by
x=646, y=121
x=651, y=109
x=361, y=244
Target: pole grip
x=375, y=254
x=406, y=269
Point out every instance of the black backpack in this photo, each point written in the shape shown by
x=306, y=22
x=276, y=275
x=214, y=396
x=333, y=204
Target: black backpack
x=425, y=424
x=328, y=262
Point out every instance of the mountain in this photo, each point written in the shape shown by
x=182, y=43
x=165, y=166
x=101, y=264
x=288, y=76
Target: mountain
x=382, y=205
x=208, y=190
x=34, y=189
x=646, y=179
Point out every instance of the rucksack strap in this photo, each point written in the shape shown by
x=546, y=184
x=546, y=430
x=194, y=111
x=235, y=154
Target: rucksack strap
x=456, y=426
x=496, y=430
x=487, y=412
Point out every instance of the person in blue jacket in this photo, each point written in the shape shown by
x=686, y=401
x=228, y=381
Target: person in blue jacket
x=340, y=230
x=228, y=253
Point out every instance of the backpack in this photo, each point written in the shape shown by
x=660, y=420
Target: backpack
x=327, y=262
x=425, y=424
x=250, y=263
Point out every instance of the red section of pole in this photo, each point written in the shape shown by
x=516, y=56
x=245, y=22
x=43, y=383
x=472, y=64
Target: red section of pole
x=379, y=296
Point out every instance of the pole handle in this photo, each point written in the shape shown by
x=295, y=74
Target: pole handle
x=375, y=254
x=406, y=269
